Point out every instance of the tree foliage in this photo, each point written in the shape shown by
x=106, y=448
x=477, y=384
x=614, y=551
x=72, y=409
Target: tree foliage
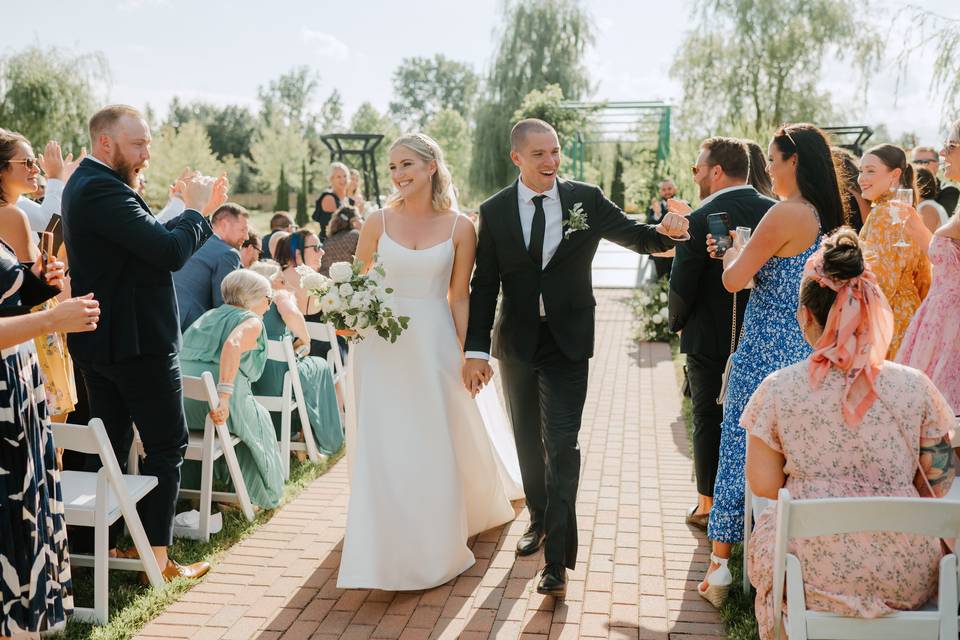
x=452, y=133
x=48, y=94
x=283, y=193
x=540, y=44
x=366, y=119
x=547, y=105
x=423, y=87
x=289, y=97
x=758, y=63
x=277, y=144
x=331, y=113
x=230, y=127
x=941, y=34
x=174, y=149
x=302, y=218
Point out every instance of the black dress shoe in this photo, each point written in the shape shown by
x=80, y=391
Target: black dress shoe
x=530, y=541
x=553, y=581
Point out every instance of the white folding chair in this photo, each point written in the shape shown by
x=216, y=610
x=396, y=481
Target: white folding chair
x=753, y=506
x=325, y=332
x=98, y=500
x=290, y=398
x=827, y=516
x=216, y=442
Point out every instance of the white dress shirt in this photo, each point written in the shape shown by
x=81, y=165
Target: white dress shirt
x=552, y=234
x=39, y=215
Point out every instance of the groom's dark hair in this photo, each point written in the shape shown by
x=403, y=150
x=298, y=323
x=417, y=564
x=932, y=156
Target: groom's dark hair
x=527, y=126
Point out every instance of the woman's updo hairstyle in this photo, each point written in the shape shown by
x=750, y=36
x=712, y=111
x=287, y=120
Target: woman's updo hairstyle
x=427, y=149
x=842, y=260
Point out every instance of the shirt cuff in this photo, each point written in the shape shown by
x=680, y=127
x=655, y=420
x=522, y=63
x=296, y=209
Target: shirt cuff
x=479, y=355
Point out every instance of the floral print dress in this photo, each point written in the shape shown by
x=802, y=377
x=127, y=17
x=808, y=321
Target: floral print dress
x=864, y=574
x=903, y=273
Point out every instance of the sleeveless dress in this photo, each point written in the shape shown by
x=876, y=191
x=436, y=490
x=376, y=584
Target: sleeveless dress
x=932, y=343
x=424, y=476
x=771, y=340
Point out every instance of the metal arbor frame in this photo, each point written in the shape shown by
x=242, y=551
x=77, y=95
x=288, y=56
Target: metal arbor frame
x=362, y=145
x=646, y=123
x=851, y=138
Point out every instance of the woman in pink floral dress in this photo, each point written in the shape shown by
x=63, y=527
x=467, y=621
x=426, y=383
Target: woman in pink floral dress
x=846, y=423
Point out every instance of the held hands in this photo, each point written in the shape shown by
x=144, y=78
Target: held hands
x=476, y=373
x=76, y=315
x=674, y=226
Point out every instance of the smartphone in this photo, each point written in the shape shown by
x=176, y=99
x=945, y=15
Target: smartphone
x=46, y=251
x=718, y=225
x=56, y=229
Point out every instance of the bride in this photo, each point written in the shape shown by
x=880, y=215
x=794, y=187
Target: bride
x=424, y=473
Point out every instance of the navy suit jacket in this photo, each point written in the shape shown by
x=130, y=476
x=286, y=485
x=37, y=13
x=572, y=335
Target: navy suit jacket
x=120, y=252
x=198, y=283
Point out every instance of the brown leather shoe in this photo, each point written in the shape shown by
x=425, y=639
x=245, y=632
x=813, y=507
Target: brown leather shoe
x=698, y=520
x=192, y=571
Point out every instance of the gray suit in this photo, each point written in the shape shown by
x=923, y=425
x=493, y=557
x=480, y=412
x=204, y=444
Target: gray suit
x=198, y=283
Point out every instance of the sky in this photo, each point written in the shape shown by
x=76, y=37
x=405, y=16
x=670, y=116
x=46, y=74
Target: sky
x=222, y=50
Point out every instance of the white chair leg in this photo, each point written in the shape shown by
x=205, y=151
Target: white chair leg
x=285, y=427
x=312, y=452
x=948, y=597
x=747, y=530
x=206, y=481
x=101, y=553
x=240, y=487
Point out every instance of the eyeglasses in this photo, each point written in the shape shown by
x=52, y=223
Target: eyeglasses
x=248, y=245
x=924, y=162
x=315, y=247
x=29, y=163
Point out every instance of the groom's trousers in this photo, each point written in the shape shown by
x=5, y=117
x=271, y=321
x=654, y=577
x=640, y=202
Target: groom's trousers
x=545, y=399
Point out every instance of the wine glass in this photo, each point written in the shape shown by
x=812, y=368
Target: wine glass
x=741, y=240
x=902, y=197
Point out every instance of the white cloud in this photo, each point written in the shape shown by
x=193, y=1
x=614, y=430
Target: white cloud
x=327, y=45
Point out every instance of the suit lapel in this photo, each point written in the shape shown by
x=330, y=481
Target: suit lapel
x=99, y=166
x=567, y=199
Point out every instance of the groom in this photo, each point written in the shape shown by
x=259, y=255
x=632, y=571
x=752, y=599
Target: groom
x=537, y=240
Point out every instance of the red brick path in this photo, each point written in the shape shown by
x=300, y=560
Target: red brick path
x=638, y=562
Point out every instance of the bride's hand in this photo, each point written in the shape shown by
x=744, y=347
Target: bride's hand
x=476, y=373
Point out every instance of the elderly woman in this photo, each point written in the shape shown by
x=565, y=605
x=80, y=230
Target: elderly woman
x=230, y=342
x=334, y=197
x=343, y=233
x=282, y=319
x=846, y=423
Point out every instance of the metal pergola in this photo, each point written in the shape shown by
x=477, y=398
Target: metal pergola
x=357, y=145
x=851, y=138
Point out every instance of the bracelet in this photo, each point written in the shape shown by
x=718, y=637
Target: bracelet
x=225, y=387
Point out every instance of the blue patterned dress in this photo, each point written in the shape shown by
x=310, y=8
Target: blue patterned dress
x=771, y=340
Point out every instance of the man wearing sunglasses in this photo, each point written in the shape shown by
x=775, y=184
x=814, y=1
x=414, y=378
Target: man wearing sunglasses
x=928, y=158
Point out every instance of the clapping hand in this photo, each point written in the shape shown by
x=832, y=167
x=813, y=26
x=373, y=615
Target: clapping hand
x=674, y=226
x=218, y=195
x=181, y=179
x=678, y=207
x=51, y=161
x=195, y=190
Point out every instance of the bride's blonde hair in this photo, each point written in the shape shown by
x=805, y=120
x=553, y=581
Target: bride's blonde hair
x=427, y=149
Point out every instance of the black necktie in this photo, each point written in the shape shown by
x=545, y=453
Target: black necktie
x=537, y=230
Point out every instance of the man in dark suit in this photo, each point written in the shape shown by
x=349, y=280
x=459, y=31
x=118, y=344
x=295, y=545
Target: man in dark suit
x=702, y=309
x=929, y=158
x=197, y=284
x=655, y=212
x=537, y=240
x=123, y=255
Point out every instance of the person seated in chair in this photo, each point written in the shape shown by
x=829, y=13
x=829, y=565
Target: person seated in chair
x=846, y=423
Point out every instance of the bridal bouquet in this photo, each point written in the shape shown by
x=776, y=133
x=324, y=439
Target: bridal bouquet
x=355, y=302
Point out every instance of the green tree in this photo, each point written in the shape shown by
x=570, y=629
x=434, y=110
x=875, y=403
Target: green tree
x=171, y=151
x=547, y=105
x=302, y=218
x=47, y=94
x=929, y=31
x=540, y=44
x=452, y=133
x=231, y=128
x=617, y=187
x=283, y=193
x=331, y=113
x=289, y=96
x=757, y=63
x=367, y=119
x=423, y=87
x=274, y=145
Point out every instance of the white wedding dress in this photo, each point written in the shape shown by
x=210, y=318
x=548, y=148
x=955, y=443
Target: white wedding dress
x=425, y=473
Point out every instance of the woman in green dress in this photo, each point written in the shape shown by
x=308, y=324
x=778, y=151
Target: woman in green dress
x=230, y=342
x=284, y=318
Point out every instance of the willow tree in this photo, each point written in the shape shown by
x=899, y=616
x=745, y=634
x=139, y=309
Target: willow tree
x=755, y=64
x=932, y=33
x=540, y=44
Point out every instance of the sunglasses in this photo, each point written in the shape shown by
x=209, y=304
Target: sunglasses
x=315, y=247
x=29, y=163
x=923, y=162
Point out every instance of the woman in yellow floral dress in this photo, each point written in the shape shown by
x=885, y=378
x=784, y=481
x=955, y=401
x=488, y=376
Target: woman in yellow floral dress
x=903, y=273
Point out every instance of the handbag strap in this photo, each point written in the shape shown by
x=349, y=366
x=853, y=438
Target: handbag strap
x=734, y=337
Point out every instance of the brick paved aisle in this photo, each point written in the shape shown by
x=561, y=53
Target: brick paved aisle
x=638, y=561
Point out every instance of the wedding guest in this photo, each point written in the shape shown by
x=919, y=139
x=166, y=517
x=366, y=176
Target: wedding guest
x=251, y=250
x=342, y=236
x=124, y=256
x=332, y=198
x=803, y=176
x=197, y=283
x=57, y=170
x=19, y=169
x=353, y=192
x=36, y=587
x=230, y=342
x=931, y=212
x=301, y=248
x=281, y=221
x=655, y=212
x=759, y=178
x=275, y=239
x=848, y=171
x=928, y=158
x=904, y=272
x=282, y=319
x=846, y=423
x=932, y=341
x=701, y=308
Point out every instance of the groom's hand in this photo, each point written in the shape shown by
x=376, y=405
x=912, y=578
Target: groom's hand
x=674, y=226
x=476, y=373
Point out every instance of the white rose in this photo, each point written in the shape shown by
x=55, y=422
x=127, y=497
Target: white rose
x=314, y=281
x=657, y=318
x=665, y=312
x=329, y=302
x=346, y=290
x=341, y=272
x=363, y=322
x=350, y=321
x=663, y=297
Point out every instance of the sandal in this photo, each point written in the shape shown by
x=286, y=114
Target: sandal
x=718, y=583
x=698, y=520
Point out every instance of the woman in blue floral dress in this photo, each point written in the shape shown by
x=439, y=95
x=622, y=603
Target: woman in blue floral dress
x=804, y=178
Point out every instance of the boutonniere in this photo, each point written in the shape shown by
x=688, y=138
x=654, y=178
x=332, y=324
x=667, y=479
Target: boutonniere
x=577, y=220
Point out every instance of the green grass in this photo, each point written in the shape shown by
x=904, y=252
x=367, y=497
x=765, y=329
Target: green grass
x=132, y=605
